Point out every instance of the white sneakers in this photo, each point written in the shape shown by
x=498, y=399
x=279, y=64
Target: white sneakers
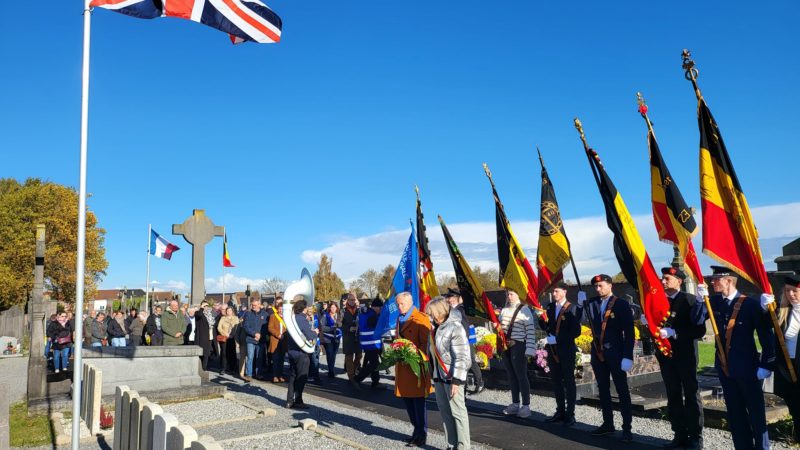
x=514, y=409
x=56, y=370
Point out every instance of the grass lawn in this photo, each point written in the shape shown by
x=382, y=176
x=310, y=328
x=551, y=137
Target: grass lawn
x=29, y=431
x=705, y=354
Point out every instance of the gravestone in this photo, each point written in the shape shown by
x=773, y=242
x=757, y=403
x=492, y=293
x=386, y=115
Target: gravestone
x=125, y=423
x=37, y=363
x=120, y=390
x=198, y=230
x=95, y=397
x=162, y=424
x=180, y=437
x=5, y=429
x=205, y=443
x=137, y=406
x=147, y=422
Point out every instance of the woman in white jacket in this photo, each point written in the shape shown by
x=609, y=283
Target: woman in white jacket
x=450, y=361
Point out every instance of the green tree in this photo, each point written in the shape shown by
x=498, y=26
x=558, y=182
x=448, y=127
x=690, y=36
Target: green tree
x=488, y=279
x=22, y=207
x=367, y=283
x=385, y=279
x=327, y=285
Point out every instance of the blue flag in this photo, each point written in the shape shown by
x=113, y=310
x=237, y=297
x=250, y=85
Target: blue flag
x=406, y=278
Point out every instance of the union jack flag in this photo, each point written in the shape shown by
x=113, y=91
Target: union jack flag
x=243, y=20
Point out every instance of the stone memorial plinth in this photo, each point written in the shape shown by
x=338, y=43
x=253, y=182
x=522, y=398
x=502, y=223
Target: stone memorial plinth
x=145, y=369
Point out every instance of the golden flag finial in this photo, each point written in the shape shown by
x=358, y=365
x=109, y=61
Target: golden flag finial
x=416, y=189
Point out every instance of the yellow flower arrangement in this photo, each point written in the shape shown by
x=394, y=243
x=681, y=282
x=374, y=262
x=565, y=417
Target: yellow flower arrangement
x=636, y=334
x=584, y=343
x=490, y=339
x=483, y=360
x=586, y=331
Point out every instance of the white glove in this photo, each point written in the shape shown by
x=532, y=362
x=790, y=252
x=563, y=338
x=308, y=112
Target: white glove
x=643, y=319
x=626, y=364
x=666, y=333
x=766, y=300
x=702, y=292
x=581, y=298
x=763, y=373
x=551, y=340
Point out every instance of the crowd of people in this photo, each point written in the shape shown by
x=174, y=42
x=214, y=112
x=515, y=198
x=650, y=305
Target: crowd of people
x=254, y=343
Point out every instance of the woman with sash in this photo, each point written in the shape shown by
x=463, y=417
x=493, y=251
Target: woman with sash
x=449, y=353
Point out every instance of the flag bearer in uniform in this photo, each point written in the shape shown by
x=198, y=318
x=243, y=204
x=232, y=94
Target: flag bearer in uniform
x=612, y=352
x=789, y=317
x=683, y=328
x=739, y=318
x=562, y=329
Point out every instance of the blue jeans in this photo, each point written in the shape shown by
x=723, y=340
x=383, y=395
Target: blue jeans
x=47, y=349
x=331, y=349
x=313, y=370
x=61, y=358
x=253, y=353
x=119, y=342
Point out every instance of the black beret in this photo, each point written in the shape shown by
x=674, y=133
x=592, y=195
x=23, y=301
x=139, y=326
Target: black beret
x=452, y=292
x=722, y=271
x=377, y=303
x=674, y=271
x=792, y=280
x=602, y=277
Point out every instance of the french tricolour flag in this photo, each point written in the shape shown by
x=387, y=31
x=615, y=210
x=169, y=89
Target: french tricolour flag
x=160, y=246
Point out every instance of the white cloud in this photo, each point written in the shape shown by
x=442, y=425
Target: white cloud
x=171, y=285
x=232, y=283
x=589, y=236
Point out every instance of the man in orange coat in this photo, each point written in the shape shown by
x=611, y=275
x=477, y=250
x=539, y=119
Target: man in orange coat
x=416, y=327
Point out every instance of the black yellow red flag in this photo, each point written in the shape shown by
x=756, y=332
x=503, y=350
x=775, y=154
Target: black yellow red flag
x=516, y=272
x=476, y=302
x=553, y=252
x=427, y=280
x=729, y=233
x=630, y=251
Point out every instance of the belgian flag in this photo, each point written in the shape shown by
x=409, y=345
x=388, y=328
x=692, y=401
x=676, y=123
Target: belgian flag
x=427, y=280
x=515, y=271
x=674, y=220
x=226, y=258
x=729, y=234
x=553, y=252
x=476, y=302
x=630, y=252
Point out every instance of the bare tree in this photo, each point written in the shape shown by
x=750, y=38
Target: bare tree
x=273, y=285
x=444, y=281
x=385, y=279
x=367, y=282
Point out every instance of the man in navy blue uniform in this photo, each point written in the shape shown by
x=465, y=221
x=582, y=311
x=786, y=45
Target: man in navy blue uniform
x=611, y=321
x=371, y=346
x=738, y=318
x=563, y=325
x=684, y=326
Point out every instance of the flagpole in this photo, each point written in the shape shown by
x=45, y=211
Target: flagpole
x=147, y=283
x=77, y=369
x=225, y=243
x=691, y=74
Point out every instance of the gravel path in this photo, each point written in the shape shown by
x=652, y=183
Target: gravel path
x=298, y=440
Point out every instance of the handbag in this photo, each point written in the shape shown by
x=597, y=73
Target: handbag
x=64, y=340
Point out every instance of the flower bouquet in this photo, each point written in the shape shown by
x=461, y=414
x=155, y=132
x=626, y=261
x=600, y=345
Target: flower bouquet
x=541, y=360
x=403, y=351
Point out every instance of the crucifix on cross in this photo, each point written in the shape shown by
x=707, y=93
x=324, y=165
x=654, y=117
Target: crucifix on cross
x=198, y=230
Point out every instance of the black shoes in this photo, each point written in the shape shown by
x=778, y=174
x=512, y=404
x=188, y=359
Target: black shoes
x=557, y=417
x=675, y=443
x=416, y=443
x=627, y=436
x=603, y=430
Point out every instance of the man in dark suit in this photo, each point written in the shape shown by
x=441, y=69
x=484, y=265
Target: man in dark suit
x=738, y=318
x=684, y=326
x=611, y=320
x=563, y=325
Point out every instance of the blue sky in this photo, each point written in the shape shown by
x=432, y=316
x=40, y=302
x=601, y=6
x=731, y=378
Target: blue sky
x=315, y=144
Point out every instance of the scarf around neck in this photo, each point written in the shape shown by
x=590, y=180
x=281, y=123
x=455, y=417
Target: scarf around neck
x=404, y=317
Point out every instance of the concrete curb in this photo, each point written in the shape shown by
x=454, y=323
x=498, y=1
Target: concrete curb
x=260, y=436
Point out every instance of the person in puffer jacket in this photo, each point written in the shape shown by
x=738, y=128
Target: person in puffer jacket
x=450, y=361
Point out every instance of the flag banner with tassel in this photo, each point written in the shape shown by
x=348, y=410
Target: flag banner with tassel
x=630, y=251
x=427, y=280
x=553, y=252
x=476, y=302
x=516, y=272
x=405, y=280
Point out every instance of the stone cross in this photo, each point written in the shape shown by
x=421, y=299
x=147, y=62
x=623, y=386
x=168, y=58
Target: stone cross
x=37, y=364
x=198, y=230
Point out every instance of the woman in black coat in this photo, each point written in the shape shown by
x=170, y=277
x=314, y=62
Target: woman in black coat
x=202, y=336
x=60, y=333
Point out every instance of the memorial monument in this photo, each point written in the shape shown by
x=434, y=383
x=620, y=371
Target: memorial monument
x=198, y=230
x=37, y=364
